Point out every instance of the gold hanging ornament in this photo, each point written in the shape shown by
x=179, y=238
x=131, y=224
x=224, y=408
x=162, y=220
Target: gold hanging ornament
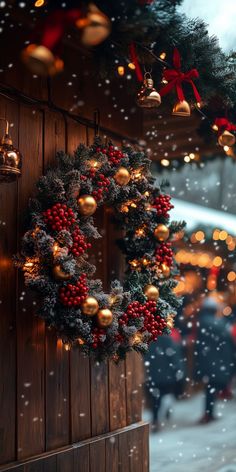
x=161, y=232
x=136, y=339
x=170, y=321
x=165, y=270
x=59, y=273
x=104, y=317
x=151, y=292
x=95, y=27
x=41, y=60
x=181, y=109
x=90, y=306
x=226, y=139
x=10, y=158
x=148, y=97
x=87, y=205
x=122, y=176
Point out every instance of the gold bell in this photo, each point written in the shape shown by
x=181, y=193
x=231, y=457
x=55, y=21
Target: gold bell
x=181, y=109
x=148, y=97
x=41, y=61
x=226, y=139
x=10, y=158
x=96, y=26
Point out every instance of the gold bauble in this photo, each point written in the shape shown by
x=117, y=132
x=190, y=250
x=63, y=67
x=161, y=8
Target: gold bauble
x=148, y=97
x=137, y=338
x=90, y=306
x=151, y=292
x=161, y=232
x=10, y=160
x=59, y=274
x=104, y=317
x=87, y=205
x=80, y=341
x=95, y=27
x=226, y=139
x=122, y=176
x=181, y=109
x=41, y=61
x=165, y=270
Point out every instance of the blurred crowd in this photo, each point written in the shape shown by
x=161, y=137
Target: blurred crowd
x=197, y=355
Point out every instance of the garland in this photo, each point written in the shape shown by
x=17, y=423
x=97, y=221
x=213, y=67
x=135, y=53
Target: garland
x=54, y=255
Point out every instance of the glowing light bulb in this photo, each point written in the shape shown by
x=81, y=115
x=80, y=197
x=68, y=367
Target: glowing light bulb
x=121, y=70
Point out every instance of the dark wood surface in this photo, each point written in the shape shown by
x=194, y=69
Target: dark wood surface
x=50, y=398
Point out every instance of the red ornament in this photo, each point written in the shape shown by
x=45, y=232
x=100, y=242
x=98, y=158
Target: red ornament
x=80, y=245
x=59, y=217
x=101, y=184
x=163, y=205
x=98, y=337
x=164, y=254
x=153, y=323
x=74, y=294
x=175, y=78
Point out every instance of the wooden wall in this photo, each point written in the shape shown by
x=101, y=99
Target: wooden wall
x=51, y=398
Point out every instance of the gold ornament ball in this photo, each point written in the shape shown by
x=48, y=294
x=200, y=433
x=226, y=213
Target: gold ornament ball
x=151, y=292
x=87, y=205
x=122, y=176
x=90, y=306
x=165, y=270
x=170, y=322
x=95, y=27
x=226, y=139
x=59, y=274
x=161, y=232
x=104, y=317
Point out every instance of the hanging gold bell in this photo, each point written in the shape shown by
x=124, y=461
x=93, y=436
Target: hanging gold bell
x=95, y=27
x=226, y=139
x=10, y=158
x=41, y=61
x=148, y=97
x=181, y=109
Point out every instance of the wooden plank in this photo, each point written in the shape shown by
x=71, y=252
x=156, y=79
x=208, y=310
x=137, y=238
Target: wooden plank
x=135, y=452
x=80, y=396
x=98, y=456
x=81, y=459
x=8, y=242
x=57, y=393
x=30, y=330
x=57, y=359
x=65, y=461
x=117, y=395
x=112, y=454
x=134, y=376
x=145, y=447
x=124, y=460
x=76, y=135
x=99, y=398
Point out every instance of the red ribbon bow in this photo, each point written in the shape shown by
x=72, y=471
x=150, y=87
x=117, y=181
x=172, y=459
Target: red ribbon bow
x=223, y=124
x=175, y=78
x=56, y=25
x=134, y=59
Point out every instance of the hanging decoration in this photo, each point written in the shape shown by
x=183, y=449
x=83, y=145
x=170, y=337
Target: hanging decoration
x=224, y=128
x=10, y=158
x=148, y=97
x=175, y=79
x=55, y=250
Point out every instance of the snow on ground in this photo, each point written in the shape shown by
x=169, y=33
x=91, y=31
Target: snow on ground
x=182, y=445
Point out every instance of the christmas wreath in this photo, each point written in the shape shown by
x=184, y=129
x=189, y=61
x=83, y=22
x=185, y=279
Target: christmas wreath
x=55, y=251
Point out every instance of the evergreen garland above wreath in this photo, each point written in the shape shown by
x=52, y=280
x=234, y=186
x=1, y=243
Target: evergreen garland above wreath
x=54, y=255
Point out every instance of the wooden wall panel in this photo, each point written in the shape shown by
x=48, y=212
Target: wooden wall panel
x=80, y=396
x=8, y=243
x=30, y=330
x=134, y=387
x=82, y=459
x=98, y=456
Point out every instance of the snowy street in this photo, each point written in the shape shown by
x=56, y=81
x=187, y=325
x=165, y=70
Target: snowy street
x=184, y=446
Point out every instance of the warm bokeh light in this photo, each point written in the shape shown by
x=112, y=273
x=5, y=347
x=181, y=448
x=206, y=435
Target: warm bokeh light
x=223, y=235
x=39, y=3
x=121, y=70
x=217, y=261
x=200, y=235
x=165, y=162
x=227, y=311
x=231, y=276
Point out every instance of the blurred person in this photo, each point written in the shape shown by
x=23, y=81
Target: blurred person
x=213, y=356
x=164, y=372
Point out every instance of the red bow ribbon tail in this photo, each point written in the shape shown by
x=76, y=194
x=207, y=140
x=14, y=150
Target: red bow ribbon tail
x=134, y=59
x=223, y=124
x=56, y=25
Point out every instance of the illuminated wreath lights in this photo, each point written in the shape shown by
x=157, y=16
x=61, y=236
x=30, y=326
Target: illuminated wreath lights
x=55, y=252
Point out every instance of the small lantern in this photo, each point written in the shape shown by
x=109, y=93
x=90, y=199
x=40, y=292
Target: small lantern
x=10, y=158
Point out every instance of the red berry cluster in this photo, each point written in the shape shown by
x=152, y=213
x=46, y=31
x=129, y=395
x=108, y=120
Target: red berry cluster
x=59, y=217
x=114, y=155
x=74, y=295
x=102, y=183
x=164, y=254
x=79, y=243
x=98, y=334
x=153, y=323
x=163, y=205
